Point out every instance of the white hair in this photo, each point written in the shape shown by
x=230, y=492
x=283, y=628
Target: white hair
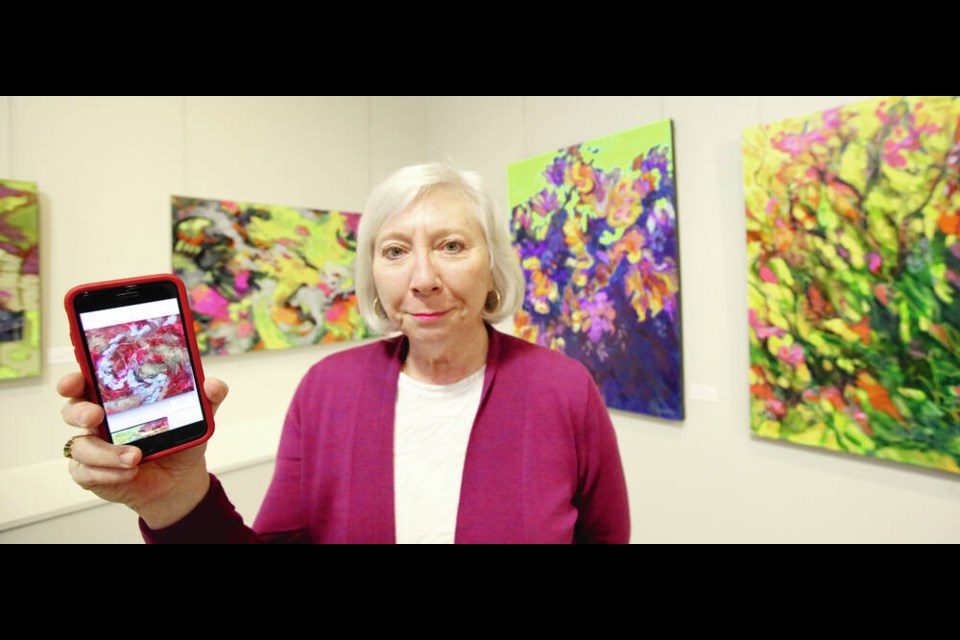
x=409, y=184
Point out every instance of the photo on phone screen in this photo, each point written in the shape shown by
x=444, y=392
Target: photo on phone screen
x=141, y=363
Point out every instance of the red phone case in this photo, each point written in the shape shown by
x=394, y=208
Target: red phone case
x=76, y=338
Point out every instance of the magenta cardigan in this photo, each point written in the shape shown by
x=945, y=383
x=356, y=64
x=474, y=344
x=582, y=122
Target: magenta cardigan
x=542, y=463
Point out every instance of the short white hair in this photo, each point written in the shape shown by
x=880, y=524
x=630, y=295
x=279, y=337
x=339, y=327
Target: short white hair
x=404, y=187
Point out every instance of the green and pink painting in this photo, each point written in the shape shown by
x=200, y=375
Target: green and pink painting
x=19, y=280
x=595, y=227
x=853, y=246
x=264, y=277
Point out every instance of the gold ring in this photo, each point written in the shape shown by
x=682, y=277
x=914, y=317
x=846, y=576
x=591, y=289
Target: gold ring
x=68, y=448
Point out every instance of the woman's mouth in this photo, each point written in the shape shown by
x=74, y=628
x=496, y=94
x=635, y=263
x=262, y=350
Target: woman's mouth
x=428, y=317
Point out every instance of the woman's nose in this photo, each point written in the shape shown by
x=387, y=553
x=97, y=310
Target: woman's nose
x=425, y=277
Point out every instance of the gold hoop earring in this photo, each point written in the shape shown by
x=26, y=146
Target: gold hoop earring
x=378, y=308
x=492, y=305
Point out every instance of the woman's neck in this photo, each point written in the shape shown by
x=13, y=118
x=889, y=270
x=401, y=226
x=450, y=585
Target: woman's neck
x=447, y=363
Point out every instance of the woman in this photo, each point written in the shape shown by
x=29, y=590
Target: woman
x=448, y=432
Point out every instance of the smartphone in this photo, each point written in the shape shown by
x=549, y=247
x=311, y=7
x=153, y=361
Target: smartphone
x=136, y=347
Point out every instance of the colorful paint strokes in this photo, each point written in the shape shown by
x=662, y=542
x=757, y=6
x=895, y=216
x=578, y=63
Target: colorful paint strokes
x=595, y=227
x=853, y=244
x=140, y=362
x=265, y=276
x=145, y=430
x=19, y=280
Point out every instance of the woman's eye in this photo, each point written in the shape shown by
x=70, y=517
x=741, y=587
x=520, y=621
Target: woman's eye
x=393, y=252
x=452, y=246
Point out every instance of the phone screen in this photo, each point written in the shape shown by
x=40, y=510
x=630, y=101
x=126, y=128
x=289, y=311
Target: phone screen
x=143, y=370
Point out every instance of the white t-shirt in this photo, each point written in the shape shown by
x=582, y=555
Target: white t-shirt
x=432, y=428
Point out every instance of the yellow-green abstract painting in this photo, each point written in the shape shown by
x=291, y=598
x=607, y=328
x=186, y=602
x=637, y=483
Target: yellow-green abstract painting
x=19, y=280
x=853, y=245
x=265, y=276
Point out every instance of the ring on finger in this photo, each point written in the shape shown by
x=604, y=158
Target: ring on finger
x=68, y=446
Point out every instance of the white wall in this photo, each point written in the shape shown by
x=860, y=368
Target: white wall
x=107, y=166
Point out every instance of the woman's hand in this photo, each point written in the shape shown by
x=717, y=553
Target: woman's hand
x=162, y=491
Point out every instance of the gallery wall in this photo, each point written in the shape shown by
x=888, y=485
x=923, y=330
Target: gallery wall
x=106, y=167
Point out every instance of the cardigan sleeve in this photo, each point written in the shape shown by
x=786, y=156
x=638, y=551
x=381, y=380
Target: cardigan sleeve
x=213, y=521
x=604, y=512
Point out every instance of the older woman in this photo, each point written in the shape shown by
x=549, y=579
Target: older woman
x=448, y=432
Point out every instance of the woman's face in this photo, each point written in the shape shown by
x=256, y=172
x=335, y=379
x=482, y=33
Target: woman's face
x=431, y=267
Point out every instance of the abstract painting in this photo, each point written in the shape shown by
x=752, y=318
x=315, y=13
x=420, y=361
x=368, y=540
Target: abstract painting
x=853, y=245
x=140, y=362
x=145, y=430
x=19, y=280
x=595, y=227
x=266, y=276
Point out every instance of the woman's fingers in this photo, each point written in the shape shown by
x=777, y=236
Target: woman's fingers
x=91, y=451
x=83, y=414
x=77, y=411
x=96, y=463
x=216, y=391
x=93, y=477
x=71, y=385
